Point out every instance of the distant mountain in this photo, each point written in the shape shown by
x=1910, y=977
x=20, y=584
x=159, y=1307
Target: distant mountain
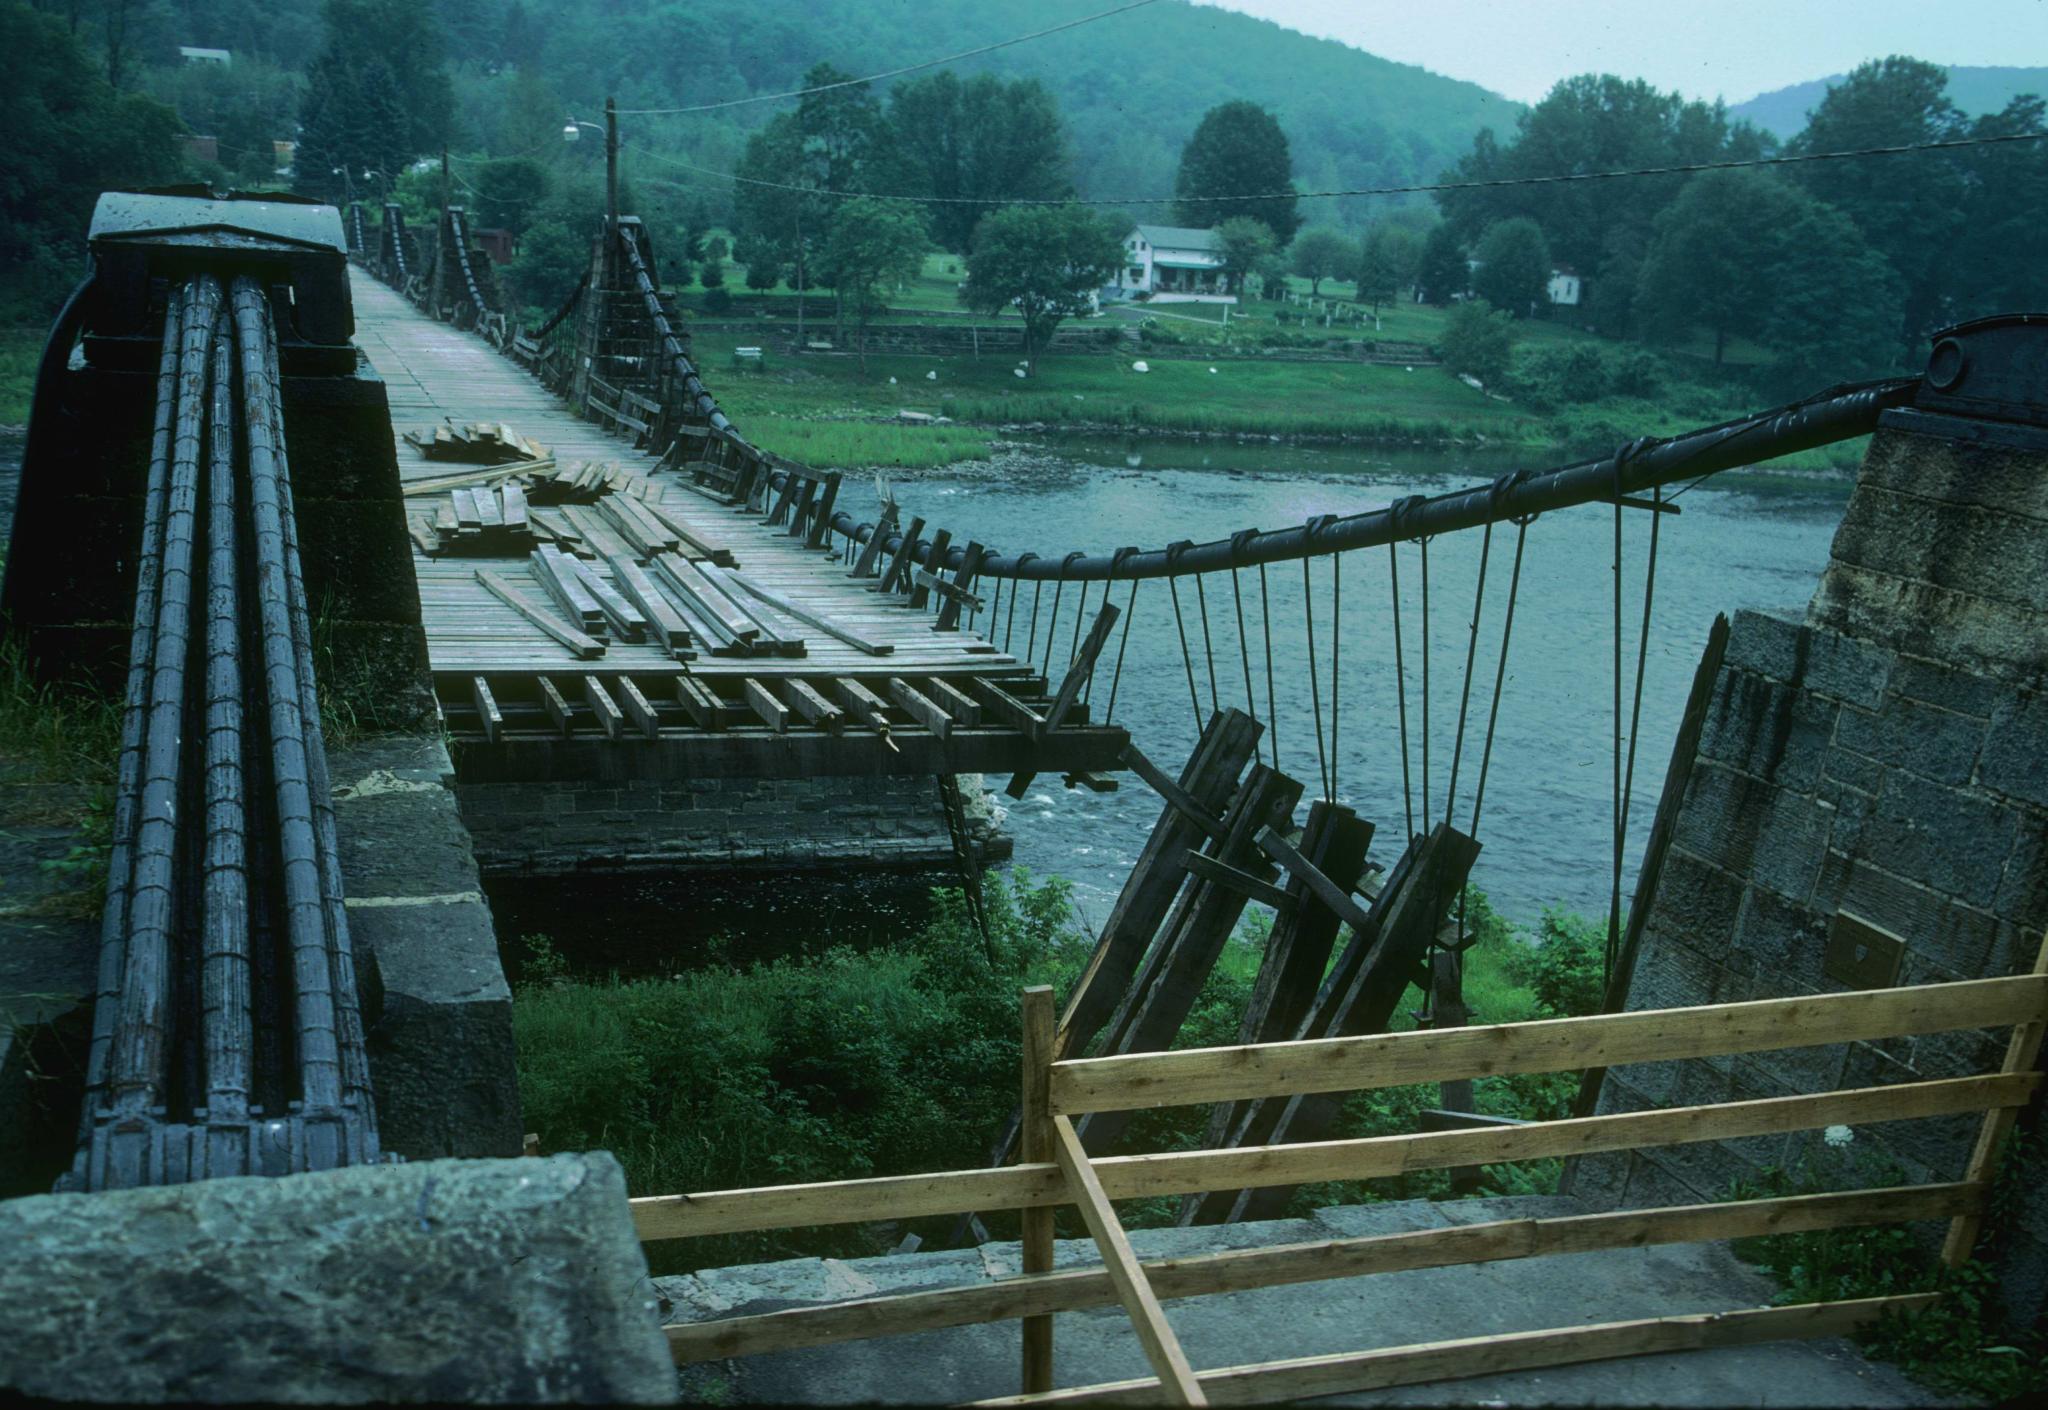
x=1974, y=90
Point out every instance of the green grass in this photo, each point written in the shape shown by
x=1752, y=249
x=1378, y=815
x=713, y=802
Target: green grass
x=1100, y=389
x=843, y=1065
x=21, y=348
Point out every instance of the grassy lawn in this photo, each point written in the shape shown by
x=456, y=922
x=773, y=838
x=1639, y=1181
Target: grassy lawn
x=1255, y=397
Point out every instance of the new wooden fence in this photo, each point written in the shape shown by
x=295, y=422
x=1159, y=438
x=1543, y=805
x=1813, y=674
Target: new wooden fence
x=1056, y=1170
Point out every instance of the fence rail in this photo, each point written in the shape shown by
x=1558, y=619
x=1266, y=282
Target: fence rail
x=1056, y=1170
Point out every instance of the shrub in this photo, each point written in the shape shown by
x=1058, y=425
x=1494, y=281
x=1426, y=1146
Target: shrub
x=717, y=300
x=1564, y=966
x=1478, y=341
x=1561, y=375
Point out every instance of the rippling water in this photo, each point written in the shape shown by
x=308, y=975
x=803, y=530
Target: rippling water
x=1547, y=821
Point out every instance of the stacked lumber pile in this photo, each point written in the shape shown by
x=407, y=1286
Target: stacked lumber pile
x=479, y=443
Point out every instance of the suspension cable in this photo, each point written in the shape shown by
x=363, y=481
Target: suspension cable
x=1500, y=672
x=1315, y=689
x=1116, y=677
x=1208, y=645
x=1272, y=711
x=1336, y=658
x=1244, y=653
x=1186, y=656
x=1471, y=658
x=1401, y=685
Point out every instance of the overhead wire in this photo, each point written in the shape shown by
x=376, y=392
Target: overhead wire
x=1407, y=189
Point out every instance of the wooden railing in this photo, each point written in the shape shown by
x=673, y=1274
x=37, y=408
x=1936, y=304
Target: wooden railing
x=1055, y=1169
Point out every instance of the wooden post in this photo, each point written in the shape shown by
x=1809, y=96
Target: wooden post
x=1037, y=1148
x=2021, y=1053
x=1447, y=1006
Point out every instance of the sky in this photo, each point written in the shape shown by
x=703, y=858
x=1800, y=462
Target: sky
x=1732, y=49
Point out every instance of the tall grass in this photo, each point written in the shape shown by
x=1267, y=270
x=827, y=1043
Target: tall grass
x=845, y=1064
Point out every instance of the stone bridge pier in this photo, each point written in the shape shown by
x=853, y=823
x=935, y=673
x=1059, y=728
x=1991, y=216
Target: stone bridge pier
x=1867, y=805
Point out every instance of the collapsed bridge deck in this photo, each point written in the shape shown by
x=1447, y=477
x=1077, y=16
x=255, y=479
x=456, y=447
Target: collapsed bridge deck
x=520, y=703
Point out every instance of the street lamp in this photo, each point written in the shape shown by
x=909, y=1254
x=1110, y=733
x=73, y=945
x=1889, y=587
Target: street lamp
x=573, y=131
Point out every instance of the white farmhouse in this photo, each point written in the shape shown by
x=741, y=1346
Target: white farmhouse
x=1564, y=286
x=1172, y=264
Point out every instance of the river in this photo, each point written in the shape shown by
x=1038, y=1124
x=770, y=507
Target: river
x=1750, y=541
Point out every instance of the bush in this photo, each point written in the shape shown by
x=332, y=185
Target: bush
x=1564, y=966
x=712, y=275
x=1638, y=373
x=1561, y=375
x=717, y=300
x=1478, y=341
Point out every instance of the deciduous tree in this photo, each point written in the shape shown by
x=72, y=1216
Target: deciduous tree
x=1237, y=151
x=1442, y=273
x=1514, y=266
x=1246, y=243
x=968, y=141
x=1320, y=253
x=1043, y=261
x=873, y=245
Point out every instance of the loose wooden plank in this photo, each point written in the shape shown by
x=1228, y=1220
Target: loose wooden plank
x=762, y=701
x=1363, y=1158
x=810, y=617
x=661, y=616
x=1250, y=887
x=1162, y=1348
x=556, y=572
x=1544, y=1045
x=487, y=712
x=1305, y=1377
x=627, y=622
x=1176, y=797
x=606, y=709
x=583, y=646
x=1037, y=1295
x=706, y=598
x=1070, y=689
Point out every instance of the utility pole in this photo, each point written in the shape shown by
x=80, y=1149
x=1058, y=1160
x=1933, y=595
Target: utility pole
x=611, y=190
x=611, y=160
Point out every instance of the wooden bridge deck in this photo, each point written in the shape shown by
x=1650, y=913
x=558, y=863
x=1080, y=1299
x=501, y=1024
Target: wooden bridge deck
x=432, y=371
x=519, y=704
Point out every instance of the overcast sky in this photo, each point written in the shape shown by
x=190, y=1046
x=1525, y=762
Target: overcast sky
x=1732, y=49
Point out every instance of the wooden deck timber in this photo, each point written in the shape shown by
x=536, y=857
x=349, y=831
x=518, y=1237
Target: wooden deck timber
x=519, y=704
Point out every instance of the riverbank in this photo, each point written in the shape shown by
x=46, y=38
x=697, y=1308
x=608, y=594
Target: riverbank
x=828, y=410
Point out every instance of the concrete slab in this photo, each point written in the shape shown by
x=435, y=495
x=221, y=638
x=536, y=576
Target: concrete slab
x=1351, y=1314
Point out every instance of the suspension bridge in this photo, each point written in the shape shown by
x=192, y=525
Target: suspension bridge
x=595, y=574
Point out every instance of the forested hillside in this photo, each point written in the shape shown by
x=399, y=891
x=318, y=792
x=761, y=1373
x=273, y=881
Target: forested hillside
x=1130, y=88
x=1975, y=91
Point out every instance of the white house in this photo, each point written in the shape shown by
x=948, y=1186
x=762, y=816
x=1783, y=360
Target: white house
x=1564, y=286
x=192, y=54
x=1172, y=264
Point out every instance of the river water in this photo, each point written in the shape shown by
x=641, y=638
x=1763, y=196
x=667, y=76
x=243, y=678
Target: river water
x=1750, y=541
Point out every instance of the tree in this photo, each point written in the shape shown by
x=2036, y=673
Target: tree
x=554, y=253
x=1387, y=260
x=376, y=96
x=764, y=267
x=977, y=140
x=1237, y=151
x=1513, y=266
x=824, y=146
x=1044, y=261
x=1835, y=304
x=1712, y=262
x=508, y=192
x=69, y=137
x=1246, y=244
x=872, y=244
x=1320, y=253
x=1479, y=341
x=1589, y=123
x=1441, y=273
x=2000, y=259
x=1911, y=210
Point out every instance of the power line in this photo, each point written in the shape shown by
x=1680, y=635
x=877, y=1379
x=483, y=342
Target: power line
x=889, y=73
x=1495, y=183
